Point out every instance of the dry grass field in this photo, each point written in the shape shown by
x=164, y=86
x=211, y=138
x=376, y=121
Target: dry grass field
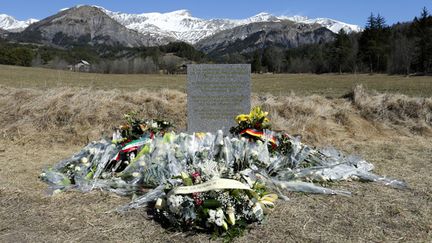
x=277, y=84
x=41, y=124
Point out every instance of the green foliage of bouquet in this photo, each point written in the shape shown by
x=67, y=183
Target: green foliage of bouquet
x=136, y=127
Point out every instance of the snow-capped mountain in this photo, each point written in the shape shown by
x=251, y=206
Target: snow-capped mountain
x=11, y=24
x=331, y=24
x=180, y=24
x=183, y=26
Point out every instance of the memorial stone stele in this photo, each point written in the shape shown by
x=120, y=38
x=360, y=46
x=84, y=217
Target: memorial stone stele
x=216, y=94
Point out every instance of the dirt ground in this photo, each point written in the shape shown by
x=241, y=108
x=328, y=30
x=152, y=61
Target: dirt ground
x=373, y=213
x=39, y=131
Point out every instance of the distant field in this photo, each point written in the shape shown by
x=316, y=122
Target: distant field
x=302, y=84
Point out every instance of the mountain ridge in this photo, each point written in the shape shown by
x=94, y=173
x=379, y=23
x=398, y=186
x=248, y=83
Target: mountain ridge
x=183, y=26
x=247, y=38
x=85, y=25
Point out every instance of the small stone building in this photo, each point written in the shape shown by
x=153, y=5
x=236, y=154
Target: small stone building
x=81, y=66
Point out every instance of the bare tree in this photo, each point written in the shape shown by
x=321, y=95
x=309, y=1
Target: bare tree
x=58, y=63
x=120, y=66
x=402, y=56
x=171, y=63
x=37, y=61
x=140, y=65
x=149, y=66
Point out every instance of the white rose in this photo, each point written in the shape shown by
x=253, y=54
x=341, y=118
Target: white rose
x=171, y=200
x=219, y=214
x=179, y=200
x=212, y=213
x=254, y=153
x=219, y=222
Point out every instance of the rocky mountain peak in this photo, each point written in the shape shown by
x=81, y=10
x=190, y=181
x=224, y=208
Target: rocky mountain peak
x=87, y=25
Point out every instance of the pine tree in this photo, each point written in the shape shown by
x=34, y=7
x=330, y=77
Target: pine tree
x=256, y=62
x=422, y=27
x=374, y=44
x=371, y=22
x=273, y=59
x=380, y=22
x=343, y=48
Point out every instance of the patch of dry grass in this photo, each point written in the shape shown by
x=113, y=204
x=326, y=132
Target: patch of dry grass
x=75, y=115
x=39, y=127
x=360, y=115
x=78, y=115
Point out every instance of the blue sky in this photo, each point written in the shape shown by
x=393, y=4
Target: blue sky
x=349, y=11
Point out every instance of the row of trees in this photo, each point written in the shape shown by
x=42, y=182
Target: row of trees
x=403, y=48
x=20, y=56
x=146, y=65
x=103, y=59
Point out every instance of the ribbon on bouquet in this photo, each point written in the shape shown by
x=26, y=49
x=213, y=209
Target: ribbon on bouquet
x=217, y=184
x=258, y=134
x=132, y=146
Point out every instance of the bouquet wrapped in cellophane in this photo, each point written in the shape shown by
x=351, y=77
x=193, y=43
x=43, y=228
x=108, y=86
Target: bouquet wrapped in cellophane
x=206, y=181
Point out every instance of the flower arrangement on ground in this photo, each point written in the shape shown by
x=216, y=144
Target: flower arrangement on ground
x=204, y=181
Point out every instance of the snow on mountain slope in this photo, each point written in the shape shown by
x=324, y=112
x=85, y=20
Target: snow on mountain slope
x=179, y=24
x=331, y=24
x=11, y=24
x=183, y=26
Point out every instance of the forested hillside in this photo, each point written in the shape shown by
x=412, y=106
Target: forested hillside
x=403, y=48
